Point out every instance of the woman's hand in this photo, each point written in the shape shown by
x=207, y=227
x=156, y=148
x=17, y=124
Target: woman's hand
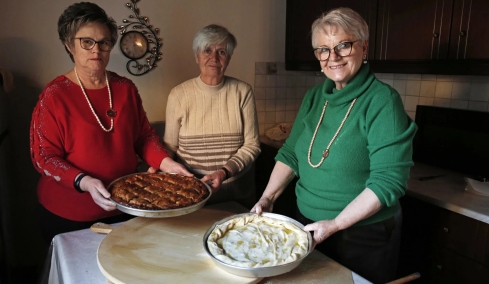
x=215, y=179
x=170, y=166
x=263, y=205
x=99, y=193
x=322, y=230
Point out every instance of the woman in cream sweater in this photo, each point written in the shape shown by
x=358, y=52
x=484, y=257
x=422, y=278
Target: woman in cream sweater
x=211, y=121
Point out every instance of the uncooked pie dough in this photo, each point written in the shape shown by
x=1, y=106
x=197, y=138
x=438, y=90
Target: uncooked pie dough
x=257, y=241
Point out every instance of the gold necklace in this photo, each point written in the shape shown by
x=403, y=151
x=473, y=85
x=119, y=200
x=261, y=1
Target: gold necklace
x=110, y=113
x=326, y=151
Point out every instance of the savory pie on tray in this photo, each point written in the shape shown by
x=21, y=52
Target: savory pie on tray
x=158, y=191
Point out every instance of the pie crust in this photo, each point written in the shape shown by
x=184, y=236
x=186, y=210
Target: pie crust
x=158, y=191
x=257, y=241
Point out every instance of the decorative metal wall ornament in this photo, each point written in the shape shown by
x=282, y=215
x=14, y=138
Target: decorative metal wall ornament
x=142, y=40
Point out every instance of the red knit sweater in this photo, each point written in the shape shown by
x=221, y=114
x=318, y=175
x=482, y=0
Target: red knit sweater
x=66, y=139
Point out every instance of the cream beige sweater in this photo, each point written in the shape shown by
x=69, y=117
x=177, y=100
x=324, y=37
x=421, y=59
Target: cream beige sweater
x=208, y=127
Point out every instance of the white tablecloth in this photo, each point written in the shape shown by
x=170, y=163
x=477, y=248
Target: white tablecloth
x=74, y=259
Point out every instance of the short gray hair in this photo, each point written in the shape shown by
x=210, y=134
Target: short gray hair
x=214, y=34
x=347, y=19
x=79, y=14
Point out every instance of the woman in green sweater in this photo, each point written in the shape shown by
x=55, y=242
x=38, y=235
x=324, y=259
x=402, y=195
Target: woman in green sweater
x=350, y=146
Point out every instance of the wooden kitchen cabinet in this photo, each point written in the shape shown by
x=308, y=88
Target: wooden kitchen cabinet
x=448, y=267
x=412, y=37
x=298, y=50
x=444, y=246
x=469, y=36
x=432, y=37
x=412, y=30
x=432, y=30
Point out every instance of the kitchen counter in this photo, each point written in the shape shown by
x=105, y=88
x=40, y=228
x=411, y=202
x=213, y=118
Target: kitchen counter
x=447, y=191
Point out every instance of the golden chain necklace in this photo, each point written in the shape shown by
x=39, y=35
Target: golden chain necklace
x=110, y=113
x=326, y=151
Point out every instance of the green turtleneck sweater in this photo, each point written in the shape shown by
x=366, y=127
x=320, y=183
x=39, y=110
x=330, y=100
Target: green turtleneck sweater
x=372, y=150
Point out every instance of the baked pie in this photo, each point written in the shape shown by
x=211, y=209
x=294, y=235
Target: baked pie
x=158, y=191
x=253, y=240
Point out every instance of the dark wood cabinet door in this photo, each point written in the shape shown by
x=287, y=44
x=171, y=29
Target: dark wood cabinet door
x=414, y=37
x=482, y=245
x=298, y=45
x=470, y=34
x=456, y=232
x=448, y=267
x=413, y=30
x=444, y=246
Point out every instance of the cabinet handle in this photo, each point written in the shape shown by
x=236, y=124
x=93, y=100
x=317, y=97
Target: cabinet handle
x=445, y=229
x=462, y=33
x=436, y=35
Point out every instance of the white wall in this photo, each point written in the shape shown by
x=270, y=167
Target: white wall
x=31, y=50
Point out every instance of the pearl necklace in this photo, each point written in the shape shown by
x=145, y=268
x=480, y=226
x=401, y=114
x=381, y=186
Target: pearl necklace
x=326, y=151
x=110, y=113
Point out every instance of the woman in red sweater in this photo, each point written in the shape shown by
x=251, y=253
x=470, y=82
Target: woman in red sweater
x=88, y=128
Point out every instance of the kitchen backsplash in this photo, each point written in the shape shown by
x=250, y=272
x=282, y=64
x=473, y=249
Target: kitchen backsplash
x=278, y=92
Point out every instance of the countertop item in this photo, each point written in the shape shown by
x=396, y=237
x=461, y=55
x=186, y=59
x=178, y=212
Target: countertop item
x=446, y=189
x=169, y=250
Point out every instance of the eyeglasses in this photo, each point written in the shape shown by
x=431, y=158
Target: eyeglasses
x=341, y=49
x=88, y=43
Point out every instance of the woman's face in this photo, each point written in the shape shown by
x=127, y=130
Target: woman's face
x=95, y=59
x=213, y=62
x=340, y=69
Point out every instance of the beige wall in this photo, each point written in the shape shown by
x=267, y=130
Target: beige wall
x=29, y=44
x=30, y=49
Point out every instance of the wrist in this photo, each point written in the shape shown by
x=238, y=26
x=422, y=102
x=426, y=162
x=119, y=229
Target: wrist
x=77, y=182
x=268, y=199
x=336, y=226
x=226, y=173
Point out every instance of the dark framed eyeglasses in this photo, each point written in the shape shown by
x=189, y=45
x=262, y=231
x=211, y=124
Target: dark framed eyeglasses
x=88, y=43
x=341, y=49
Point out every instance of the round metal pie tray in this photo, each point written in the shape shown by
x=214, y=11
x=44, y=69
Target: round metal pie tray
x=258, y=272
x=160, y=213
